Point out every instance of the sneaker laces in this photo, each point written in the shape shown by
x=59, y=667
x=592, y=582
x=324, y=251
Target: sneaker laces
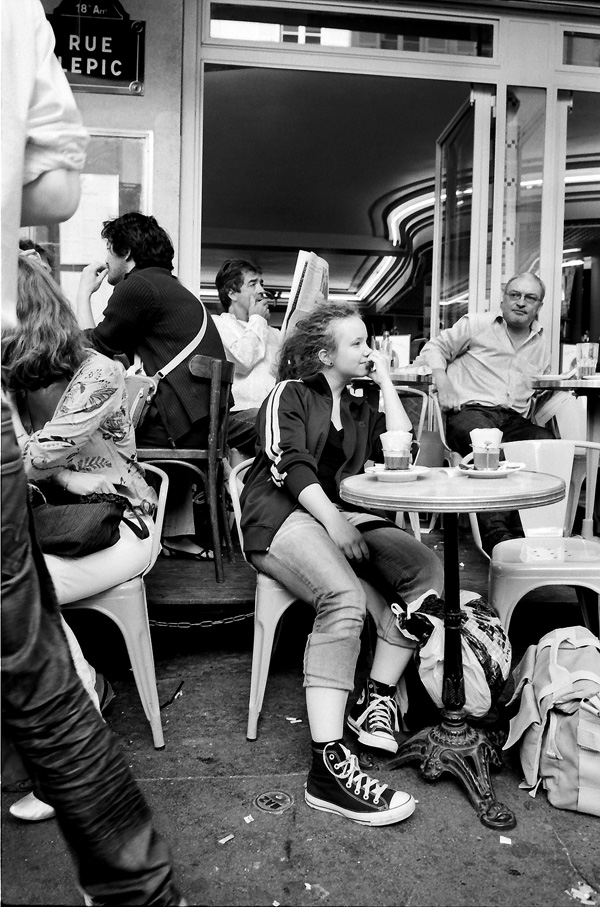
x=379, y=712
x=349, y=769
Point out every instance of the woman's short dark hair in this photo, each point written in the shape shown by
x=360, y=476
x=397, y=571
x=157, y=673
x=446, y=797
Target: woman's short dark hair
x=299, y=355
x=231, y=277
x=140, y=235
x=47, y=343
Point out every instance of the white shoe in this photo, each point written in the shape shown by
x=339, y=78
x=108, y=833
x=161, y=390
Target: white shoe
x=30, y=809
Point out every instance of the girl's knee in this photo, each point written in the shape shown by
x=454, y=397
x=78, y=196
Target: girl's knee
x=343, y=610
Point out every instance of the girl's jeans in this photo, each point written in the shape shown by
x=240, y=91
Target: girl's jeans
x=305, y=560
x=60, y=736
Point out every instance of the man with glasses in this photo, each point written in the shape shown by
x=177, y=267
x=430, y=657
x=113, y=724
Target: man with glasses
x=482, y=369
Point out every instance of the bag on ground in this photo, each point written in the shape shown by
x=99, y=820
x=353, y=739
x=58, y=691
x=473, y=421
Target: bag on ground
x=486, y=649
x=558, y=722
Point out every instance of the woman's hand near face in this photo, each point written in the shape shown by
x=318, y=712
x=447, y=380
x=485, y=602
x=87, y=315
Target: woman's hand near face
x=380, y=373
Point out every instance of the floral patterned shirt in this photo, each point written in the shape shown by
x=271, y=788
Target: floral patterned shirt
x=91, y=431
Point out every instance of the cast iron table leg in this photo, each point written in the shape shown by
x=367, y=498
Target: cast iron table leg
x=453, y=745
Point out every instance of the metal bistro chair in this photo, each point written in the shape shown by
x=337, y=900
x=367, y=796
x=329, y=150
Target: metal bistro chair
x=125, y=604
x=548, y=555
x=271, y=601
x=207, y=463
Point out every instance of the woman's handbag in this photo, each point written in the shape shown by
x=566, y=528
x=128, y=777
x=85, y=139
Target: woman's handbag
x=142, y=388
x=76, y=525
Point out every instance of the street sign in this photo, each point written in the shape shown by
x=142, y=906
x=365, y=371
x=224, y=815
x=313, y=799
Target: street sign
x=100, y=48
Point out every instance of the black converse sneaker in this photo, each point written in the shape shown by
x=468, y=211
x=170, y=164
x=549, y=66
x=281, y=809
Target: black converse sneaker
x=337, y=785
x=374, y=717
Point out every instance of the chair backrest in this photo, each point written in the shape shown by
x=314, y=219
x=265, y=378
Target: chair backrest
x=566, y=413
x=236, y=483
x=432, y=451
x=439, y=424
x=554, y=457
x=415, y=402
x=162, y=481
x=220, y=375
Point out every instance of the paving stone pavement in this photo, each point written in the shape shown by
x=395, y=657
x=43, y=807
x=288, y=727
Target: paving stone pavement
x=227, y=851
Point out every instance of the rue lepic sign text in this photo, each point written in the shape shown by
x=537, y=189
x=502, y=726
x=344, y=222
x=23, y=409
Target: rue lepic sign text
x=100, y=48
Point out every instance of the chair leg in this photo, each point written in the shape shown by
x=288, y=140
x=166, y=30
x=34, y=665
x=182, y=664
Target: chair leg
x=589, y=602
x=224, y=516
x=264, y=636
x=126, y=607
x=477, y=534
x=142, y=665
x=213, y=512
x=415, y=524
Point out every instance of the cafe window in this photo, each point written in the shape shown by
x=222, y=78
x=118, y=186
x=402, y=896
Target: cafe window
x=116, y=179
x=253, y=22
x=581, y=49
x=299, y=34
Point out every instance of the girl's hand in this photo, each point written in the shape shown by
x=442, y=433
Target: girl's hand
x=381, y=367
x=348, y=539
x=86, y=483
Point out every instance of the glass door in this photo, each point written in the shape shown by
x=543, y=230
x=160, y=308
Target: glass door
x=462, y=219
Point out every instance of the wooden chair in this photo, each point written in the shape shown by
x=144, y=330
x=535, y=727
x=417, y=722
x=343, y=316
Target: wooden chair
x=126, y=606
x=272, y=600
x=207, y=463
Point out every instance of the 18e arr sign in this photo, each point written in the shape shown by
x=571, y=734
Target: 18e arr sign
x=99, y=47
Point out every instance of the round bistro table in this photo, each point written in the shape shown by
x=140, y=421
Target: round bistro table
x=453, y=745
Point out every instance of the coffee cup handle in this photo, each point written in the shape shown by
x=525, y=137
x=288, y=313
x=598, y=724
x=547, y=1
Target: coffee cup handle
x=415, y=449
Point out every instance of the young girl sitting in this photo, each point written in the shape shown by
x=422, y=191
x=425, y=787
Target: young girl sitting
x=313, y=433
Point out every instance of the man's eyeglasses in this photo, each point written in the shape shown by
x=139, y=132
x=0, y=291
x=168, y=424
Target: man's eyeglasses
x=514, y=296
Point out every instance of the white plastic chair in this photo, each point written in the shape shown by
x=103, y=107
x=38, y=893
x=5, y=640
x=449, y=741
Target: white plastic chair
x=125, y=604
x=547, y=556
x=407, y=392
x=567, y=415
x=271, y=600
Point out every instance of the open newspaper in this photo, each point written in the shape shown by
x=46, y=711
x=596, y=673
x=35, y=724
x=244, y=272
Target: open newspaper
x=310, y=286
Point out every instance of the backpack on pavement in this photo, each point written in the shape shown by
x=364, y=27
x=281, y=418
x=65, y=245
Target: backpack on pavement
x=558, y=723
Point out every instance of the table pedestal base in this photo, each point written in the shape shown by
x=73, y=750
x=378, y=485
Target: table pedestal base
x=456, y=747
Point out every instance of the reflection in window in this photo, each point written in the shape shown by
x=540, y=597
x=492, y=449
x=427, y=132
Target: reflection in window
x=523, y=175
x=288, y=25
x=581, y=49
x=580, y=313
x=300, y=34
x=457, y=190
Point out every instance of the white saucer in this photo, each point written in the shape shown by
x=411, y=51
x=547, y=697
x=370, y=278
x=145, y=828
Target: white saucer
x=396, y=475
x=504, y=470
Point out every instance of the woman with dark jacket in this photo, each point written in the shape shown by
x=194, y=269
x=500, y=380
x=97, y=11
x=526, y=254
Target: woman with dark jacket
x=313, y=433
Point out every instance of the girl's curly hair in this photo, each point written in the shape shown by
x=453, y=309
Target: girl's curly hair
x=47, y=344
x=299, y=355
